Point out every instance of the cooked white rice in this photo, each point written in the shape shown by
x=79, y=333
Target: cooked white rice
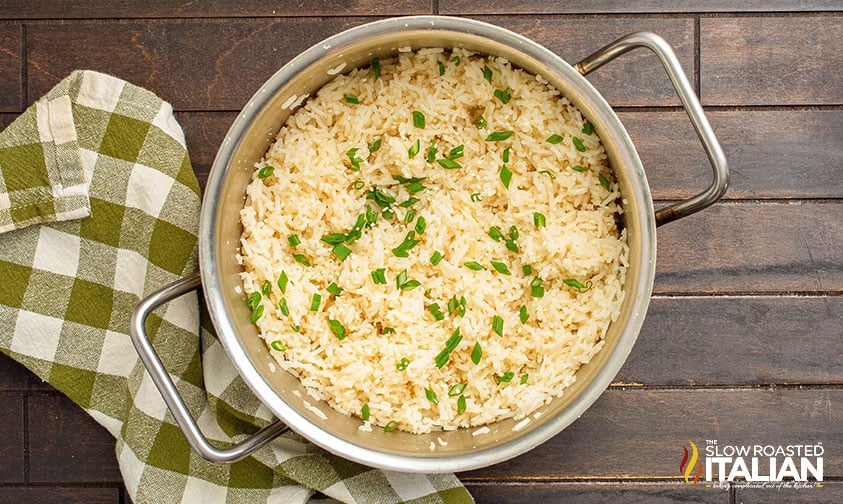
x=314, y=191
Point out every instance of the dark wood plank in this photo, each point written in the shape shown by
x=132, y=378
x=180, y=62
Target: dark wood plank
x=102, y=9
x=639, y=433
x=771, y=61
x=237, y=55
x=65, y=495
x=635, y=79
x=12, y=434
x=6, y=119
x=738, y=340
x=639, y=6
x=13, y=376
x=752, y=247
x=10, y=68
x=830, y=493
x=204, y=133
x=771, y=154
x=57, y=456
x=597, y=493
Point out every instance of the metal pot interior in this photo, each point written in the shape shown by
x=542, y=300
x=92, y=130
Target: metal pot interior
x=254, y=131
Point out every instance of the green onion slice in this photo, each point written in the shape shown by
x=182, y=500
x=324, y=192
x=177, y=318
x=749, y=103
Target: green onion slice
x=604, y=181
x=302, y=259
x=355, y=161
x=504, y=95
x=379, y=276
x=421, y=225
x=548, y=173
x=474, y=265
x=431, y=152
x=376, y=72
x=374, y=146
x=341, y=251
x=573, y=282
x=524, y=378
x=278, y=345
x=266, y=288
x=350, y=98
x=504, y=378
x=315, y=301
x=410, y=202
x=527, y=270
x=457, y=152
x=257, y=313
x=335, y=289
x=579, y=168
x=501, y=267
x=539, y=220
x=443, y=356
x=487, y=74
x=282, y=305
x=265, y=172
x=418, y=119
x=506, y=176
x=441, y=68
x=364, y=412
x=554, y=139
x=475, y=197
x=587, y=128
x=497, y=325
x=402, y=364
x=448, y=164
x=254, y=300
x=578, y=144
x=505, y=155
x=436, y=257
x=436, y=311
x=523, y=315
x=496, y=136
x=461, y=405
x=431, y=396
x=456, y=389
x=294, y=240
x=337, y=328
x=480, y=122
x=495, y=233
x=476, y=353
x=391, y=426
x=414, y=149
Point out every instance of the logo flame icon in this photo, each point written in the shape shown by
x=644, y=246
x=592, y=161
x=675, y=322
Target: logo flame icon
x=686, y=467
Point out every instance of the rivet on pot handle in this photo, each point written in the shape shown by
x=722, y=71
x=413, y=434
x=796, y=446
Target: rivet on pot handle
x=692, y=106
x=168, y=390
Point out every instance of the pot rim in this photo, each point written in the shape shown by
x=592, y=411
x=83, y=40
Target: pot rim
x=639, y=196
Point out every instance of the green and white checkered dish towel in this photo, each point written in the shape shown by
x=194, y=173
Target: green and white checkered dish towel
x=101, y=167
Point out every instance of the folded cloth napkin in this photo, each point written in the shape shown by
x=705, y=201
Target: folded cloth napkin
x=101, y=166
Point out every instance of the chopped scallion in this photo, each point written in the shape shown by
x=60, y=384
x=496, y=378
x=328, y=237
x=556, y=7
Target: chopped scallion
x=334, y=289
x=456, y=60
x=254, y=300
x=501, y=268
x=475, y=197
x=548, y=173
x=431, y=396
x=337, y=328
x=265, y=172
x=411, y=214
x=282, y=305
x=257, y=313
x=418, y=119
x=341, y=251
x=293, y=240
x=504, y=95
x=480, y=122
x=495, y=233
x=578, y=144
x=496, y=136
x=266, y=288
x=573, y=282
x=391, y=426
x=436, y=311
x=497, y=325
x=487, y=74
x=461, y=405
x=278, y=345
x=579, y=168
x=523, y=315
x=448, y=164
x=445, y=355
x=505, y=176
x=421, y=225
x=364, y=412
x=402, y=364
x=375, y=145
x=536, y=289
x=554, y=139
x=376, y=72
x=431, y=152
x=436, y=257
x=411, y=201
x=282, y=282
x=527, y=270
x=355, y=161
x=587, y=128
x=539, y=220
x=350, y=98
x=604, y=182
x=504, y=378
x=457, y=152
x=379, y=276
x=302, y=259
x=456, y=389
x=474, y=265
x=358, y=184
x=315, y=301
x=414, y=149
x=505, y=155
x=403, y=249
x=476, y=353
x=441, y=68
x=387, y=330
x=524, y=378
x=334, y=238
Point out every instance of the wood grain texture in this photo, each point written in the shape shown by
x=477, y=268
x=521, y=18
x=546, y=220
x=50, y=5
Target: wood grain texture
x=64, y=495
x=10, y=68
x=753, y=247
x=771, y=61
x=830, y=493
x=104, y=9
x=738, y=340
x=635, y=79
x=13, y=376
x=772, y=154
x=204, y=132
x=638, y=6
x=66, y=445
x=596, y=493
x=639, y=433
x=12, y=435
x=236, y=55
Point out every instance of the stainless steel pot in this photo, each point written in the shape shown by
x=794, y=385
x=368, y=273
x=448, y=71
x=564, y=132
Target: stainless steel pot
x=251, y=135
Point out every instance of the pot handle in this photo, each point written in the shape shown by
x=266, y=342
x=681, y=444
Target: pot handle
x=168, y=390
x=692, y=106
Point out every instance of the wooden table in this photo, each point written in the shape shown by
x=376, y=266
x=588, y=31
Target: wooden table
x=743, y=342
